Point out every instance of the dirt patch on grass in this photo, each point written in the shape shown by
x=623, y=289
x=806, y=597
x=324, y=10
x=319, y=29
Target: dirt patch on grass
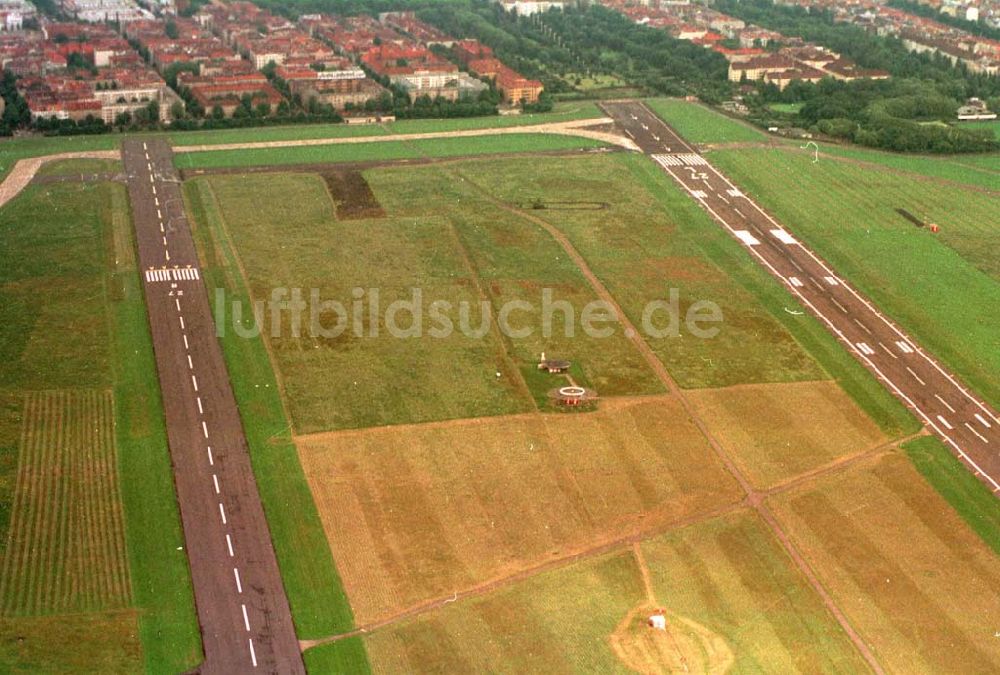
x=684, y=647
x=352, y=194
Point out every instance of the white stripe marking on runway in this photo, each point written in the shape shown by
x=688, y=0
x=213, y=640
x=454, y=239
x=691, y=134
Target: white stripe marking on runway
x=945, y=423
x=944, y=402
x=915, y=376
x=204, y=428
x=222, y=512
x=978, y=435
x=746, y=237
x=215, y=482
x=229, y=545
x=253, y=654
x=783, y=236
x=239, y=584
x=246, y=619
x=981, y=420
x=211, y=459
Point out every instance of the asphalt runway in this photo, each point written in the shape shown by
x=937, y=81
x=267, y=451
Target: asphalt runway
x=245, y=620
x=947, y=407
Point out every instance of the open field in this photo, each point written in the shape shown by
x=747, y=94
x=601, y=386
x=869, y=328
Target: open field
x=777, y=431
x=563, y=112
x=66, y=547
x=14, y=149
x=730, y=576
x=699, y=124
x=77, y=167
x=367, y=152
x=942, y=288
x=913, y=579
x=732, y=601
x=557, y=622
x=105, y=642
x=414, y=494
x=71, y=243
x=976, y=170
x=455, y=249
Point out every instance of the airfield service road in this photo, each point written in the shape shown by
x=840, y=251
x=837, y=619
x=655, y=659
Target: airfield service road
x=244, y=614
x=946, y=406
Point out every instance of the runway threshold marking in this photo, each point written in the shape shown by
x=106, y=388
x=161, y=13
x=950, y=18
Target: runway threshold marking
x=904, y=347
x=982, y=420
x=865, y=348
x=795, y=281
x=746, y=237
x=783, y=236
x=945, y=422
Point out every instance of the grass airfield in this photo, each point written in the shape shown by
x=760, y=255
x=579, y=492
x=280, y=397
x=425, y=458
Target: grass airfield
x=489, y=530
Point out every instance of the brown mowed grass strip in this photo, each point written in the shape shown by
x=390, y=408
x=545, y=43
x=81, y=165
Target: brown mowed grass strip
x=418, y=512
x=921, y=587
x=780, y=430
x=19, y=515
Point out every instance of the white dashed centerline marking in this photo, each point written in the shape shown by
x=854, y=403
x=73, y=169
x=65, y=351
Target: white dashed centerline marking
x=177, y=302
x=862, y=326
x=211, y=460
x=887, y=350
x=246, y=619
x=186, y=346
x=840, y=306
x=201, y=411
x=977, y=434
x=253, y=654
x=182, y=322
x=204, y=428
x=915, y=376
x=239, y=584
x=229, y=545
x=222, y=512
x=194, y=382
x=190, y=363
x=944, y=403
x=215, y=482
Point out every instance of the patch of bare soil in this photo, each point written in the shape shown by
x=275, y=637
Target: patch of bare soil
x=352, y=195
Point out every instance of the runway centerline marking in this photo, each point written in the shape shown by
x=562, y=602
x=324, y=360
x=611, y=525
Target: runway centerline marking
x=915, y=376
x=863, y=327
x=978, y=435
x=204, y=428
x=246, y=619
x=239, y=584
x=229, y=545
x=215, y=482
x=944, y=403
x=200, y=409
x=190, y=363
x=194, y=382
x=253, y=654
x=182, y=322
x=222, y=513
x=211, y=459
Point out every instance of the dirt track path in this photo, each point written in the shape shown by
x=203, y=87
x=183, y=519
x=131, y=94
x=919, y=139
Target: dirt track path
x=25, y=169
x=578, y=128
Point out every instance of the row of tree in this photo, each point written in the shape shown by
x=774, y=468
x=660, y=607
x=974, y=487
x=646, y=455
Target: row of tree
x=913, y=111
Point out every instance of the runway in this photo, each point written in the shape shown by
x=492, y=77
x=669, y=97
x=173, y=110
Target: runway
x=245, y=620
x=946, y=406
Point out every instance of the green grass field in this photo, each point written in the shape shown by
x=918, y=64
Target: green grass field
x=77, y=167
x=976, y=170
x=699, y=124
x=62, y=242
x=454, y=249
x=563, y=112
x=382, y=151
x=14, y=149
x=942, y=288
